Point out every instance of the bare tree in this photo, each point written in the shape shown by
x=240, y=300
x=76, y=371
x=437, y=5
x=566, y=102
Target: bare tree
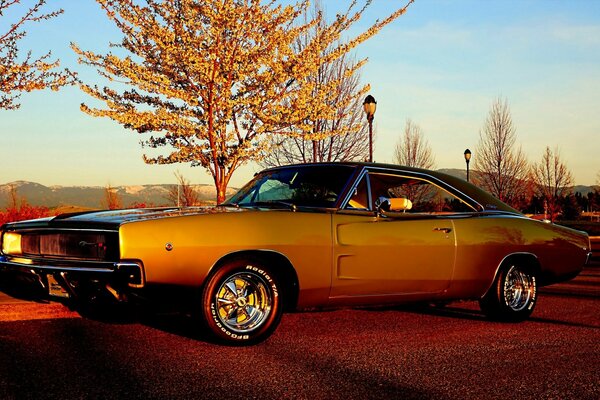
x=112, y=200
x=344, y=137
x=553, y=181
x=413, y=150
x=337, y=136
x=24, y=74
x=595, y=195
x=13, y=197
x=183, y=194
x=502, y=166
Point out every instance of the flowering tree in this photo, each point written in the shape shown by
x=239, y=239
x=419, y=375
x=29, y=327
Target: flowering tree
x=340, y=136
x=213, y=80
x=24, y=74
x=344, y=137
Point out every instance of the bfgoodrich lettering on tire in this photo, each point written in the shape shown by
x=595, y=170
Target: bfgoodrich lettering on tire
x=241, y=303
x=513, y=295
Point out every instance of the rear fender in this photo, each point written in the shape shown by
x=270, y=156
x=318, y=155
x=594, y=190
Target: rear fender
x=527, y=259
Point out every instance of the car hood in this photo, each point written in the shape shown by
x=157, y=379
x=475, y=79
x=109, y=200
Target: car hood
x=112, y=219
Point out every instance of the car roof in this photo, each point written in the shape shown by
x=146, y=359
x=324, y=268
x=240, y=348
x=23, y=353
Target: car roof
x=485, y=199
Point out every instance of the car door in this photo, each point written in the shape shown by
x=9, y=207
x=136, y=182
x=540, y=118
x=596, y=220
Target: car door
x=397, y=253
x=391, y=255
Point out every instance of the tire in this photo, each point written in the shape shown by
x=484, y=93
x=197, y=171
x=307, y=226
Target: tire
x=513, y=295
x=241, y=303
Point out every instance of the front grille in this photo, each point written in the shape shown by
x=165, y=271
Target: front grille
x=82, y=245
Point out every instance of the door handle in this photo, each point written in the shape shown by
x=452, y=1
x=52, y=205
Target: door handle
x=445, y=230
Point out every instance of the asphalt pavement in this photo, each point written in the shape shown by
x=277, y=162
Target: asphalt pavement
x=388, y=353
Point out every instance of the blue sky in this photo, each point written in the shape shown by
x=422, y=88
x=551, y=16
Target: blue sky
x=442, y=64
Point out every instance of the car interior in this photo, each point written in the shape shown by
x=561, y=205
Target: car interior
x=404, y=194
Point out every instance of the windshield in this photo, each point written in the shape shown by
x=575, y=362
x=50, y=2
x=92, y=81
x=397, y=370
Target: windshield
x=308, y=186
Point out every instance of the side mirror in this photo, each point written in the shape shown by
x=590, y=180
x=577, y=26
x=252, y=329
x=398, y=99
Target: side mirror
x=382, y=204
x=394, y=204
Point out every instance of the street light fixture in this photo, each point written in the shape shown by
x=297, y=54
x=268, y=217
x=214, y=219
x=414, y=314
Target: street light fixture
x=370, y=105
x=467, y=159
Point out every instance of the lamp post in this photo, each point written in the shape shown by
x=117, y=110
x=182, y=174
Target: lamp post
x=370, y=105
x=467, y=159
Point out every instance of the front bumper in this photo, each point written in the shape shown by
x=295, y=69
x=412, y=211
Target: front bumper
x=121, y=274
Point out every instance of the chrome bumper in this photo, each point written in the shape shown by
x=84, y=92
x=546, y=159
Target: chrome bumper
x=131, y=272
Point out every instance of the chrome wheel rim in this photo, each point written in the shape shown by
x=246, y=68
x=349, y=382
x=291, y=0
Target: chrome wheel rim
x=244, y=302
x=519, y=289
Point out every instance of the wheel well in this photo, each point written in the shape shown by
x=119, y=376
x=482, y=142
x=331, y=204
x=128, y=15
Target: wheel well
x=525, y=259
x=281, y=267
x=528, y=260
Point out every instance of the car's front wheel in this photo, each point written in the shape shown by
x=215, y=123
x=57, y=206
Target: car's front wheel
x=241, y=303
x=513, y=295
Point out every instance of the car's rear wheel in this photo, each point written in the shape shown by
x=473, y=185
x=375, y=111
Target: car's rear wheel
x=513, y=295
x=241, y=303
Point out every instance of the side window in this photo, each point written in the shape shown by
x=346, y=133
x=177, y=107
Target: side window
x=360, y=197
x=273, y=190
x=424, y=196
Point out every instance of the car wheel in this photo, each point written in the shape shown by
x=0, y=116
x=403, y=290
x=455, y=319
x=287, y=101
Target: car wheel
x=513, y=295
x=241, y=303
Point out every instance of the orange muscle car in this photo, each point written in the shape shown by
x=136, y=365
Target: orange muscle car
x=304, y=237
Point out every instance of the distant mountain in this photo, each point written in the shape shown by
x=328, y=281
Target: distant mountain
x=93, y=196
x=156, y=195
x=459, y=173
x=584, y=190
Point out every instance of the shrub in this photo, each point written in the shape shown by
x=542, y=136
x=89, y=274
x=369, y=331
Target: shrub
x=23, y=212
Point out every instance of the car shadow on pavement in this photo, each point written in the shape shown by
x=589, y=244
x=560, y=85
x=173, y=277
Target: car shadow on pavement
x=160, y=318
x=22, y=287
x=454, y=310
x=105, y=309
x=179, y=324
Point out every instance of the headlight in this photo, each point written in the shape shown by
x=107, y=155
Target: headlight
x=11, y=243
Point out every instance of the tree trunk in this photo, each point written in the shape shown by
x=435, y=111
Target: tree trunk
x=221, y=183
x=221, y=187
